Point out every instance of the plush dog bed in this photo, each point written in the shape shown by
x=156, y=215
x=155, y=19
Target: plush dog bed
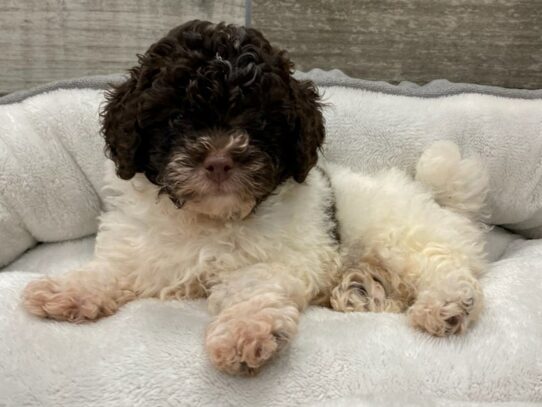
x=151, y=352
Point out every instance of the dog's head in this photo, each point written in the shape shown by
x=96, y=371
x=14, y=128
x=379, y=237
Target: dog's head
x=213, y=116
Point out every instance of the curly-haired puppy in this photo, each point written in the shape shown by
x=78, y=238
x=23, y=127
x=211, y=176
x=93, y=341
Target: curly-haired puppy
x=215, y=192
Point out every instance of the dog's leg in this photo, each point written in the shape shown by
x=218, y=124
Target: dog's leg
x=449, y=299
x=257, y=315
x=449, y=295
x=87, y=294
x=444, y=295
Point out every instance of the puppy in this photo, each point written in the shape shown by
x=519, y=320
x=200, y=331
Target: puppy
x=214, y=191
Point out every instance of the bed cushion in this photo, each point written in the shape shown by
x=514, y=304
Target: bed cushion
x=151, y=352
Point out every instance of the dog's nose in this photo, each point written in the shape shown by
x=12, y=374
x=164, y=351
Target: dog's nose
x=218, y=167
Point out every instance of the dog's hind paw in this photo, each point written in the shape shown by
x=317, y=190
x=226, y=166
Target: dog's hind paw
x=444, y=315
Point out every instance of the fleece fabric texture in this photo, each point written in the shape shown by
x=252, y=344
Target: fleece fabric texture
x=51, y=169
x=151, y=352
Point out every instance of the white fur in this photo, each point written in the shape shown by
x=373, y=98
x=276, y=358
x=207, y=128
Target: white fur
x=260, y=272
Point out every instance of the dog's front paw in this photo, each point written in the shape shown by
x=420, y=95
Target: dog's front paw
x=239, y=346
x=57, y=299
x=243, y=337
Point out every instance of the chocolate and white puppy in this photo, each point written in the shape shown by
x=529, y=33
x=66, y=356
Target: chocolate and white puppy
x=215, y=193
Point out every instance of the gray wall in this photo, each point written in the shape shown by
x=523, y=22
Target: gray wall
x=45, y=40
x=495, y=42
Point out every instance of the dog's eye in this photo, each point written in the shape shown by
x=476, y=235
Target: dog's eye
x=260, y=124
x=177, y=119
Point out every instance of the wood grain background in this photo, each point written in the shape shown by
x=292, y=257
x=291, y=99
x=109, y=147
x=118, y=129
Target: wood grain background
x=45, y=40
x=495, y=42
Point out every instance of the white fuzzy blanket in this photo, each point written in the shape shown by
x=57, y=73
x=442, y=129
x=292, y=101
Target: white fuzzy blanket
x=151, y=353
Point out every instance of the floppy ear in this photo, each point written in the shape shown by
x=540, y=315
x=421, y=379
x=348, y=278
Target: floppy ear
x=309, y=128
x=133, y=107
x=119, y=126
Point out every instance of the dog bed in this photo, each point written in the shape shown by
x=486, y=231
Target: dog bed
x=151, y=353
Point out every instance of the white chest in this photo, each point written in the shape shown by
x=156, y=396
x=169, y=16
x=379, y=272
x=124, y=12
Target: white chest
x=171, y=246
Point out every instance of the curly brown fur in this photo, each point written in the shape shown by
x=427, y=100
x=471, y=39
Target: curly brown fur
x=199, y=83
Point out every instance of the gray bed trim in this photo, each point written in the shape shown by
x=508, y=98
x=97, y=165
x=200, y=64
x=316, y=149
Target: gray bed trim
x=86, y=82
x=335, y=77
x=433, y=89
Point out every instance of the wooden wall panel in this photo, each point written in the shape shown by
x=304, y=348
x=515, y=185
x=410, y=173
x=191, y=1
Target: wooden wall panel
x=45, y=40
x=497, y=42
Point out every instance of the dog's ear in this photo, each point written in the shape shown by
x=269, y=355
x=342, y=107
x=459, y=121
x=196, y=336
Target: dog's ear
x=134, y=107
x=309, y=127
x=120, y=125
